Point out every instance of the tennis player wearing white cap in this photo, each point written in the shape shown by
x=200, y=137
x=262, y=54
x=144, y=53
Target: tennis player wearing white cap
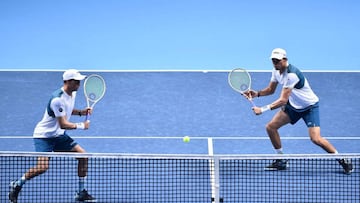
x=50, y=135
x=297, y=101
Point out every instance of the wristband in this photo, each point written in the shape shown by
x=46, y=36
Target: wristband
x=80, y=113
x=265, y=108
x=258, y=93
x=80, y=126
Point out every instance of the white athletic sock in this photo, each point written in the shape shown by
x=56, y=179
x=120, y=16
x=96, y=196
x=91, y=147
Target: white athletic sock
x=81, y=183
x=279, y=151
x=21, y=181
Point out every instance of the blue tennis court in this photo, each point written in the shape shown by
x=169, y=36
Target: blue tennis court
x=150, y=112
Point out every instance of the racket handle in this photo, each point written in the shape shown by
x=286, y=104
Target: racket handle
x=252, y=103
x=87, y=118
x=250, y=100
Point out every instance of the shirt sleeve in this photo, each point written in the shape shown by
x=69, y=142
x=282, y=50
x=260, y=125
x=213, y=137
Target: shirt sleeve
x=273, y=77
x=292, y=80
x=58, y=107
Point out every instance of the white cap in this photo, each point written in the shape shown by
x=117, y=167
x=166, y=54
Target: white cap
x=73, y=74
x=278, y=53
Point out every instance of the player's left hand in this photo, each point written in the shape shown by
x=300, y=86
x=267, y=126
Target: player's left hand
x=250, y=94
x=257, y=110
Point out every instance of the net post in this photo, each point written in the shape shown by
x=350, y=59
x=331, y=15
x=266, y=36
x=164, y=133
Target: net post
x=217, y=180
x=214, y=173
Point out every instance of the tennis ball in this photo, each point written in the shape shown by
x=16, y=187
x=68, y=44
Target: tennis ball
x=186, y=139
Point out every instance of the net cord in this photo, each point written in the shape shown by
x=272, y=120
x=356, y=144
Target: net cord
x=181, y=156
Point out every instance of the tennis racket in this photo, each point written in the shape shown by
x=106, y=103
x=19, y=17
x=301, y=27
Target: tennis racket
x=94, y=90
x=239, y=80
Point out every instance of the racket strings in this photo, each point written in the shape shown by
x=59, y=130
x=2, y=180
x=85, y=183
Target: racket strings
x=240, y=80
x=94, y=88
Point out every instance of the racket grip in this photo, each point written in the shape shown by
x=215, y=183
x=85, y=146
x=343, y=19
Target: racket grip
x=252, y=103
x=250, y=100
x=87, y=118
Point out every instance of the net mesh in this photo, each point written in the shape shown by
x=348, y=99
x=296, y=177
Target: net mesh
x=306, y=180
x=176, y=178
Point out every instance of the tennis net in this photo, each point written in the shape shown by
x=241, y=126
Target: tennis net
x=130, y=178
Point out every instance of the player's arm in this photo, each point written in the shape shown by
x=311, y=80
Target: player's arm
x=77, y=112
x=292, y=80
x=281, y=101
x=65, y=124
x=270, y=89
x=57, y=106
x=82, y=112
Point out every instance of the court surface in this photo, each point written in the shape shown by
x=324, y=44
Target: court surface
x=150, y=112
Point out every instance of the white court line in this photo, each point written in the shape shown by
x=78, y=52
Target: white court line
x=193, y=138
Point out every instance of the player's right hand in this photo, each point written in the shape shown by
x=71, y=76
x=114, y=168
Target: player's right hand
x=257, y=110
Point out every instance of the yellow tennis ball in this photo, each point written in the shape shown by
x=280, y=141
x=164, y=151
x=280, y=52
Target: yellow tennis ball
x=186, y=139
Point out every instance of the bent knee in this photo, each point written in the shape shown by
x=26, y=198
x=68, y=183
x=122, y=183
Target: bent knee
x=270, y=126
x=318, y=140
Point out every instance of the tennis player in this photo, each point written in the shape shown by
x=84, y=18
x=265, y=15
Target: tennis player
x=297, y=101
x=50, y=135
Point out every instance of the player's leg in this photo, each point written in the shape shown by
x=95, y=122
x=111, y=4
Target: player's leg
x=312, y=120
x=316, y=138
x=66, y=143
x=15, y=186
x=42, y=164
x=328, y=147
x=82, y=162
x=280, y=119
x=82, y=194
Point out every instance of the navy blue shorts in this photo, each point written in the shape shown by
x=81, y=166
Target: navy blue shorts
x=63, y=143
x=310, y=115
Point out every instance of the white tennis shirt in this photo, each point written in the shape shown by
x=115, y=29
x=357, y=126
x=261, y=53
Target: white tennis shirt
x=301, y=95
x=60, y=104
